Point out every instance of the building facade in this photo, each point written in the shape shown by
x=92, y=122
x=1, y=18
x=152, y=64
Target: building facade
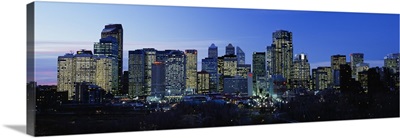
x=229, y=49
x=116, y=31
x=191, y=70
x=282, y=54
x=355, y=58
x=241, y=56
x=213, y=51
x=203, y=82
x=175, y=73
x=301, y=71
x=210, y=65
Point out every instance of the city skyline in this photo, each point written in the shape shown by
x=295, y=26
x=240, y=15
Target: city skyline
x=307, y=38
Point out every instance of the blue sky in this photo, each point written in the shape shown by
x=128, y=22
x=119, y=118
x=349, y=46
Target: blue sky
x=64, y=27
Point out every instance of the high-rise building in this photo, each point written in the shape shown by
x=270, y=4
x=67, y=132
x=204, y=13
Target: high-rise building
x=162, y=56
x=361, y=67
x=355, y=58
x=268, y=61
x=158, y=78
x=66, y=74
x=243, y=70
x=346, y=78
x=149, y=59
x=107, y=73
x=240, y=56
x=227, y=67
x=140, y=63
x=392, y=61
x=107, y=46
x=116, y=31
x=336, y=61
x=282, y=54
x=72, y=69
x=259, y=72
x=230, y=65
x=175, y=73
x=301, y=72
x=229, y=49
x=203, y=82
x=136, y=72
x=191, y=70
x=313, y=79
x=213, y=51
x=322, y=79
x=210, y=65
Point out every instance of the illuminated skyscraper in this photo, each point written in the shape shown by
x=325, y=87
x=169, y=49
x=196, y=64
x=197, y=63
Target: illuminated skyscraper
x=282, y=54
x=210, y=65
x=136, y=72
x=240, y=56
x=322, y=79
x=116, y=31
x=213, y=51
x=355, y=58
x=229, y=49
x=392, y=61
x=230, y=65
x=336, y=61
x=140, y=63
x=243, y=70
x=301, y=71
x=175, y=75
x=107, y=46
x=203, y=82
x=66, y=74
x=191, y=70
x=72, y=69
x=107, y=73
x=361, y=67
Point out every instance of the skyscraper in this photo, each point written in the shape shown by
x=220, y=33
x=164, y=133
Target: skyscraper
x=392, y=61
x=259, y=72
x=243, y=70
x=229, y=49
x=210, y=65
x=240, y=56
x=116, y=31
x=203, y=82
x=107, y=46
x=301, y=71
x=125, y=83
x=140, y=63
x=107, y=73
x=355, y=58
x=322, y=79
x=213, y=51
x=66, y=74
x=336, y=61
x=361, y=67
x=191, y=70
x=136, y=72
x=175, y=75
x=158, y=78
x=282, y=54
x=230, y=65
x=72, y=69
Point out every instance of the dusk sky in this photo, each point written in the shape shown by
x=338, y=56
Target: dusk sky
x=64, y=27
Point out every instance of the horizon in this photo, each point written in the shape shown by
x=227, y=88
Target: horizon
x=167, y=27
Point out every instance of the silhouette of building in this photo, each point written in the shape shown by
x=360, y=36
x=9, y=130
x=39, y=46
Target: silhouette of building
x=259, y=72
x=125, y=83
x=88, y=93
